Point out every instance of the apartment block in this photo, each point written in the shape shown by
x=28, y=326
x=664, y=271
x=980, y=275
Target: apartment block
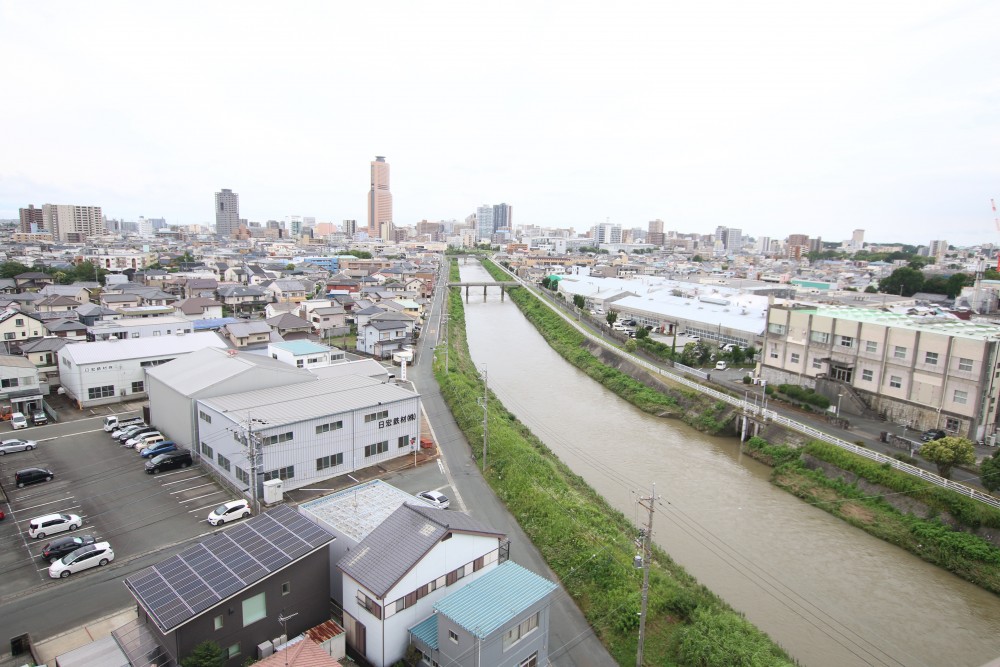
x=921, y=371
x=74, y=224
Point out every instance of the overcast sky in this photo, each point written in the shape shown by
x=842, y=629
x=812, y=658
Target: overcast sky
x=773, y=117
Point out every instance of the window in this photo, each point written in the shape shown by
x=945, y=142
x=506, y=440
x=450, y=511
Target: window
x=9, y=336
x=899, y=352
x=377, y=448
x=101, y=392
x=960, y=397
x=455, y=575
x=242, y=475
x=519, y=631
x=819, y=337
x=964, y=364
x=375, y=416
x=453, y=636
x=817, y=363
x=254, y=609
x=9, y=382
x=404, y=441
x=871, y=346
x=204, y=417
x=206, y=450
x=286, y=588
x=275, y=439
x=218, y=622
x=332, y=426
x=777, y=329
x=135, y=334
x=369, y=605
x=774, y=351
x=138, y=387
x=331, y=461
x=299, y=363
x=867, y=375
x=845, y=341
x=224, y=463
x=951, y=424
x=931, y=358
x=280, y=473
x=530, y=661
x=19, y=322
x=233, y=650
x=794, y=357
x=895, y=381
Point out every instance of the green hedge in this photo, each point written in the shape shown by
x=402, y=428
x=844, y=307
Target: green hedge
x=804, y=394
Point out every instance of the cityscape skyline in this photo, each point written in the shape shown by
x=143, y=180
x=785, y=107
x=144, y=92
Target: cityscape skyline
x=774, y=120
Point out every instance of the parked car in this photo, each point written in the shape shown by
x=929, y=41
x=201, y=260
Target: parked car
x=180, y=458
x=932, y=434
x=231, y=511
x=38, y=418
x=142, y=438
x=437, y=499
x=158, y=448
x=134, y=431
x=56, y=549
x=18, y=420
x=16, y=445
x=32, y=476
x=84, y=558
x=721, y=365
x=50, y=524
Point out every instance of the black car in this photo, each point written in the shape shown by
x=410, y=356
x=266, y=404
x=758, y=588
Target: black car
x=932, y=434
x=38, y=418
x=56, y=549
x=32, y=476
x=180, y=458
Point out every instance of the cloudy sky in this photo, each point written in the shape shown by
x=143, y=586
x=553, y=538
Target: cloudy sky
x=773, y=117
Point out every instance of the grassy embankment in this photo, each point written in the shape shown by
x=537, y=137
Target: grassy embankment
x=589, y=544
x=919, y=529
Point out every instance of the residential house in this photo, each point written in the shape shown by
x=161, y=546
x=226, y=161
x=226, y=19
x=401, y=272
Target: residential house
x=17, y=327
x=151, y=277
x=32, y=281
x=434, y=553
x=44, y=353
x=115, y=301
x=198, y=308
x=55, y=303
x=66, y=328
x=305, y=353
x=501, y=619
x=242, y=298
x=244, y=334
x=89, y=313
x=381, y=339
x=8, y=286
x=230, y=589
x=20, y=384
x=235, y=274
x=200, y=287
x=287, y=324
x=80, y=291
x=408, y=306
x=285, y=290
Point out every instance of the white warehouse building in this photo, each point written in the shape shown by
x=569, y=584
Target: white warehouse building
x=309, y=431
x=114, y=370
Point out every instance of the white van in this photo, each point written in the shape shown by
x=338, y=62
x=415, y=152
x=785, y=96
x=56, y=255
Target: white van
x=721, y=365
x=18, y=420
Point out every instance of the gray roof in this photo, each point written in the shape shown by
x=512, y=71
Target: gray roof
x=308, y=400
x=195, y=372
x=198, y=578
x=385, y=326
x=90, y=309
x=244, y=329
x=47, y=344
x=239, y=290
x=288, y=321
x=401, y=541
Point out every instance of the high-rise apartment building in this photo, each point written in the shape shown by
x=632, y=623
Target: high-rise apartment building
x=31, y=219
x=74, y=224
x=606, y=233
x=654, y=235
x=503, y=216
x=227, y=212
x=349, y=227
x=858, y=239
x=484, y=222
x=937, y=249
x=379, y=197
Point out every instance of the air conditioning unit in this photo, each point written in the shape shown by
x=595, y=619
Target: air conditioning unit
x=264, y=649
x=279, y=642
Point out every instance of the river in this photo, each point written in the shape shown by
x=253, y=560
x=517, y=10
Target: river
x=830, y=594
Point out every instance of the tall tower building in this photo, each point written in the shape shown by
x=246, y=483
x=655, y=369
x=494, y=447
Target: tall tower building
x=227, y=212
x=349, y=227
x=503, y=216
x=484, y=223
x=379, y=197
x=31, y=219
x=858, y=239
x=606, y=233
x=73, y=223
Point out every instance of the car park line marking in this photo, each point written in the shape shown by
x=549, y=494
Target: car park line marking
x=173, y=493
x=205, y=495
x=202, y=509
x=178, y=481
x=61, y=500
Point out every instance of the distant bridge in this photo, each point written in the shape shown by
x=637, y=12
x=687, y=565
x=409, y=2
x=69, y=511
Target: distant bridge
x=503, y=285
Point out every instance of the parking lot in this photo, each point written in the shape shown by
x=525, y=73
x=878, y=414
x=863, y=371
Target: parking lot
x=108, y=487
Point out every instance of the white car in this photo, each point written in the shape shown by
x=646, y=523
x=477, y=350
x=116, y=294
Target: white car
x=231, y=511
x=18, y=420
x=92, y=555
x=50, y=524
x=132, y=442
x=721, y=365
x=439, y=500
x=16, y=445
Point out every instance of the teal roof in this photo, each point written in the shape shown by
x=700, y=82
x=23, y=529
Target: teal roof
x=485, y=605
x=298, y=347
x=427, y=631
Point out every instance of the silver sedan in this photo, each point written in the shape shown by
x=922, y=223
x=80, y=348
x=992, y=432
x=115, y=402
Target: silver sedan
x=16, y=445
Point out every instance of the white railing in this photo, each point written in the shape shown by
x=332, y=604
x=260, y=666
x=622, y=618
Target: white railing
x=770, y=415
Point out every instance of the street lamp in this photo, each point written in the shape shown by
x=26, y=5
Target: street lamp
x=840, y=395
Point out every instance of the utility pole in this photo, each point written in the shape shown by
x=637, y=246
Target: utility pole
x=447, y=343
x=484, y=403
x=646, y=535
x=252, y=455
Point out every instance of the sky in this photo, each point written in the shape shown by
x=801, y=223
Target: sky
x=773, y=117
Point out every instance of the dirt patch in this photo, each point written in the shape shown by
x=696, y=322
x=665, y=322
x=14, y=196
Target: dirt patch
x=857, y=513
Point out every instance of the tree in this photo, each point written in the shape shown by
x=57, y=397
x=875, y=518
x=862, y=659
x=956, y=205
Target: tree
x=641, y=333
x=903, y=281
x=11, y=269
x=989, y=472
x=631, y=345
x=697, y=258
x=947, y=453
x=205, y=654
x=579, y=301
x=611, y=317
x=871, y=290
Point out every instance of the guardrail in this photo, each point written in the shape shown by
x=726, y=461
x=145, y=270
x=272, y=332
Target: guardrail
x=759, y=412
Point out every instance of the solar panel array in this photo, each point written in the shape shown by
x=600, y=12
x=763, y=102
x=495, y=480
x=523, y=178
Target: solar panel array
x=201, y=576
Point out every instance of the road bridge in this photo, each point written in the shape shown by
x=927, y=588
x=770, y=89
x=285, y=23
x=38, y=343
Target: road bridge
x=504, y=286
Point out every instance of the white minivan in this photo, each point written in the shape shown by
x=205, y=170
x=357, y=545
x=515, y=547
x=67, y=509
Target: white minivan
x=18, y=420
x=721, y=365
